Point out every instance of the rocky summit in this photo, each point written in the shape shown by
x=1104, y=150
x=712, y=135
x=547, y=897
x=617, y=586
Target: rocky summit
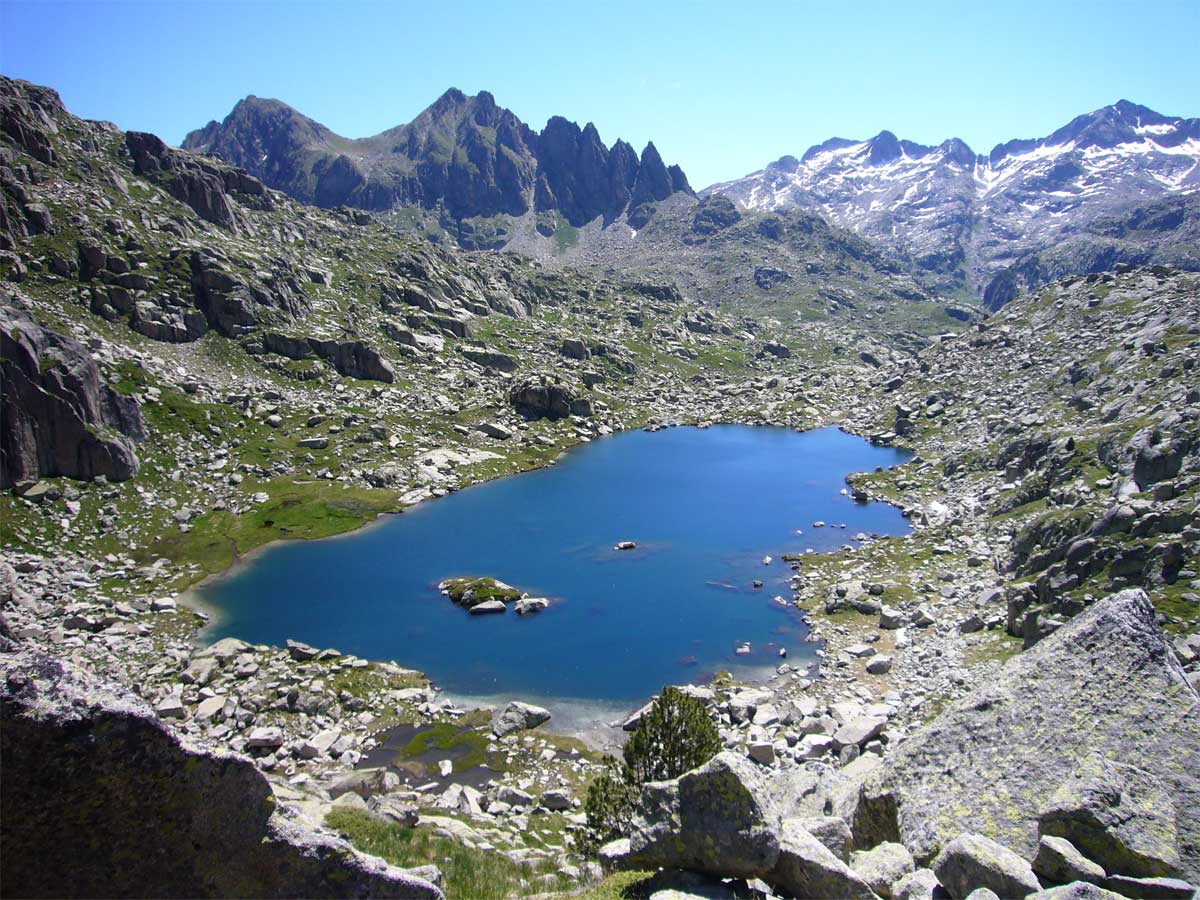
x=275, y=333
x=471, y=165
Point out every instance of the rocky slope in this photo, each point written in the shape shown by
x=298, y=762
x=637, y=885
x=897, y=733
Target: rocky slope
x=789, y=264
x=963, y=217
x=174, y=821
x=463, y=158
x=1164, y=232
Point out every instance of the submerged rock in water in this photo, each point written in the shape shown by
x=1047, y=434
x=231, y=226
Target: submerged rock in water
x=527, y=605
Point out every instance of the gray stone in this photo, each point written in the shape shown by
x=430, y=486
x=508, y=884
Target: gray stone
x=1105, y=683
x=983, y=893
x=614, y=855
x=557, y=800
x=1076, y=890
x=487, y=607
x=210, y=708
x=1060, y=862
x=517, y=716
x=971, y=861
x=223, y=650
x=880, y=665
x=199, y=672
x=761, y=752
x=831, y=831
x=175, y=821
x=171, y=707
x=1118, y=815
x=301, y=652
x=807, y=869
x=527, y=605
x=1151, y=888
x=265, y=738
x=882, y=866
x=859, y=731
x=716, y=819
x=320, y=743
x=919, y=885
x=494, y=430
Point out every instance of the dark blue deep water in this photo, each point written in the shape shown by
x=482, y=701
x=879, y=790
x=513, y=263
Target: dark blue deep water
x=704, y=506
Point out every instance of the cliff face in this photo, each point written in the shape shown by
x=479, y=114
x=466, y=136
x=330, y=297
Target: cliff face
x=59, y=418
x=100, y=800
x=466, y=154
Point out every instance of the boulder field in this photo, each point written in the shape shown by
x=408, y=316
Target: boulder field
x=1026, y=782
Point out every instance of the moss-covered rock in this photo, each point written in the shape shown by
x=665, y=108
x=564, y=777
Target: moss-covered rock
x=471, y=591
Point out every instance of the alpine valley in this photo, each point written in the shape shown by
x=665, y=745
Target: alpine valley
x=276, y=333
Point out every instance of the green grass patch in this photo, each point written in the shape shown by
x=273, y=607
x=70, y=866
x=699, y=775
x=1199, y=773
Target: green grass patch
x=635, y=885
x=295, y=510
x=467, y=874
x=447, y=736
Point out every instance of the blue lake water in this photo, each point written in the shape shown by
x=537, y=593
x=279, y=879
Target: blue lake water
x=704, y=506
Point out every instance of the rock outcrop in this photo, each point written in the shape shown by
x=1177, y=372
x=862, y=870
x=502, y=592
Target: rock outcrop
x=353, y=359
x=58, y=416
x=201, y=184
x=1105, y=686
x=542, y=396
x=100, y=800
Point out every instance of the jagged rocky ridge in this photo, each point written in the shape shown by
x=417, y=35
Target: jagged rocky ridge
x=464, y=155
x=237, y=433
x=963, y=218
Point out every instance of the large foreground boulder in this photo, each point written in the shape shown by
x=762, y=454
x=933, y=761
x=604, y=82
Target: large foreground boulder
x=99, y=799
x=972, y=861
x=1104, y=686
x=57, y=417
x=716, y=819
x=727, y=819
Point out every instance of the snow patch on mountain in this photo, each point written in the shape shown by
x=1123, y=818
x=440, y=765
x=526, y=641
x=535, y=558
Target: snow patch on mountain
x=962, y=216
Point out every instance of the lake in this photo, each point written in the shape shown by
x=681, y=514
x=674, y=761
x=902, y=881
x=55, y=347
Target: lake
x=704, y=506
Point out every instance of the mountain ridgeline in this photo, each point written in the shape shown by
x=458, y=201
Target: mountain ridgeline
x=963, y=220
x=463, y=155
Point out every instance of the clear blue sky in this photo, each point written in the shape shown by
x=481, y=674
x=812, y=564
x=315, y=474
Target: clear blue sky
x=721, y=87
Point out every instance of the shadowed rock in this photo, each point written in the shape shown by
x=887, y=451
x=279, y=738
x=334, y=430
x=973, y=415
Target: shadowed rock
x=56, y=416
x=100, y=800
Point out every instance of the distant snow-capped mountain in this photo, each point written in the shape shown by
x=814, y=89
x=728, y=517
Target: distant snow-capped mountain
x=962, y=218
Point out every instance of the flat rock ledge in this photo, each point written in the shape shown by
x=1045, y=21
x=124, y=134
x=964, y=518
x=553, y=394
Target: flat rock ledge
x=101, y=800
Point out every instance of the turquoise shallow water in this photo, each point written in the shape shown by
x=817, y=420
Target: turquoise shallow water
x=704, y=506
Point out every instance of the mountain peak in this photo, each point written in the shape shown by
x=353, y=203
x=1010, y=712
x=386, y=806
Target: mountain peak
x=884, y=148
x=464, y=156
